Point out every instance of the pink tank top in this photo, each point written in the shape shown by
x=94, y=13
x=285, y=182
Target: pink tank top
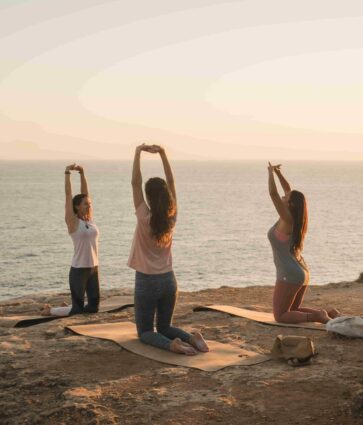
x=146, y=256
x=85, y=241
x=282, y=237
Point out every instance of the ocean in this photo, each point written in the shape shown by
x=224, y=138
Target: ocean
x=220, y=239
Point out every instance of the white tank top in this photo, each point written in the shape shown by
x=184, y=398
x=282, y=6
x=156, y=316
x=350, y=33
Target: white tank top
x=85, y=241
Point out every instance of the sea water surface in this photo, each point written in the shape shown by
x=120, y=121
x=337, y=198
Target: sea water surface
x=220, y=239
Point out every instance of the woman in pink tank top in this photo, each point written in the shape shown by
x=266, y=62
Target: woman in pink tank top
x=155, y=282
x=83, y=275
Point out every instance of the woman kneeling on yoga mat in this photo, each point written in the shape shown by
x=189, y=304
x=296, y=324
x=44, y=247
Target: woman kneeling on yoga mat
x=155, y=282
x=286, y=237
x=83, y=275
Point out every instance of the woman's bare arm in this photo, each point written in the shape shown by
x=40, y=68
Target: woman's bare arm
x=84, y=184
x=284, y=183
x=70, y=217
x=166, y=165
x=281, y=208
x=168, y=172
x=136, y=180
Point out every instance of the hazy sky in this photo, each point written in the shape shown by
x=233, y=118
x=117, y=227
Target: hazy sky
x=207, y=78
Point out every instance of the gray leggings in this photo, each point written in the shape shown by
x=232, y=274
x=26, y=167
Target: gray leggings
x=156, y=294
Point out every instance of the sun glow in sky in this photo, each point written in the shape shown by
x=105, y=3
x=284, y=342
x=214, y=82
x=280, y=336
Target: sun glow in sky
x=209, y=79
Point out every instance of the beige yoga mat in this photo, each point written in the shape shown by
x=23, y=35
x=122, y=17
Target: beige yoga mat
x=219, y=356
x=257, y=316
x=107, y=305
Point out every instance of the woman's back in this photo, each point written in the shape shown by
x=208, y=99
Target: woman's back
x=147, y=256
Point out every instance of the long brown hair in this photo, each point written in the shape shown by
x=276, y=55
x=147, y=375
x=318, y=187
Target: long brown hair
x=299, y=212
x=163, y=210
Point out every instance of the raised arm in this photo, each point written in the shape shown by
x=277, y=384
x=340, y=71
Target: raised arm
x=281, y=208
x=70, y=217
x=84, y=185
x=136, y=180
x=284, y=183
x=167, y=169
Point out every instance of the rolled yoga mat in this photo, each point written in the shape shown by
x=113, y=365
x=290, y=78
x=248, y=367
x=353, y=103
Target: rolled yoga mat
x=124, y=334
x=257, y=316
x=107, y=305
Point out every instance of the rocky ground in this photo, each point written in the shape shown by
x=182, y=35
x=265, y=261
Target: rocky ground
x=51, y=376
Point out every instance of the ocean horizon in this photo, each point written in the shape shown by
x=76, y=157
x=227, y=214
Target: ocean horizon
x=224, y=213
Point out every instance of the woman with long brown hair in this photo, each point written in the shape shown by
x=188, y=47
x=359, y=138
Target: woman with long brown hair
x=155, y=282
x=287, y=239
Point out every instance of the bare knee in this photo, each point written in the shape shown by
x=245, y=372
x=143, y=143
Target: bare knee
x=279, y=317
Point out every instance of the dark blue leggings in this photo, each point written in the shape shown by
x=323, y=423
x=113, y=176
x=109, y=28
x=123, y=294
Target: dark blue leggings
x=84, y=281
x=156, y=294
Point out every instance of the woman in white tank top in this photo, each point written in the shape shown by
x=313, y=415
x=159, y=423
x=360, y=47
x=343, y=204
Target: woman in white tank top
x=83, y=275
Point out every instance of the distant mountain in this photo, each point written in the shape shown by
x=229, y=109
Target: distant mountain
x=25, y=150
x=29, y=141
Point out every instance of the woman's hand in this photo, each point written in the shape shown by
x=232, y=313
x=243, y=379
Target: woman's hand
x=71, y=167
x=156, y=149
x=150, y=148
x=143, y=147
x=275, y=168
x=79, y=168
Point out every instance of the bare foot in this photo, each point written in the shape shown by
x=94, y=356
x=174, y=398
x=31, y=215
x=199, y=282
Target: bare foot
x=180, y=347
x=323, y=317
x=45, y=310
x=198, y=342
x=333, y=313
